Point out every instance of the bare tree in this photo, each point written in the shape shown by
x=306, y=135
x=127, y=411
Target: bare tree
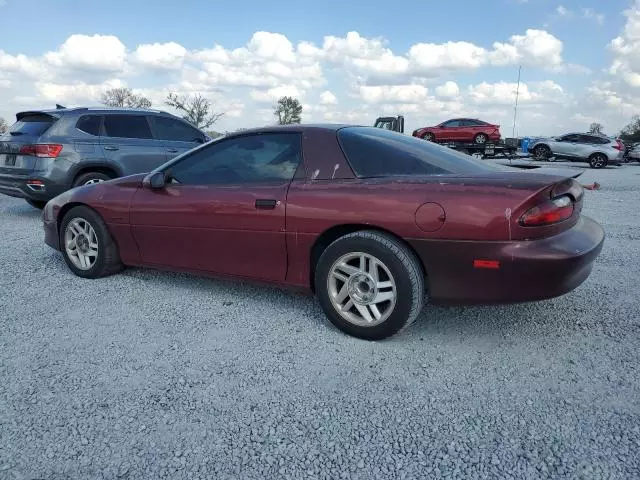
x=124, y=97
x=596, y=127
x=4, y=126
x=195, y=110
x=288, y=110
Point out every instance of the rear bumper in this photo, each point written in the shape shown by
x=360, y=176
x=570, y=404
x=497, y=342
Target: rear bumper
x=528, y=270
x=18, y=186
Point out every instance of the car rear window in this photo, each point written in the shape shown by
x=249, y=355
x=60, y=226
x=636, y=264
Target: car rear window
x=32, y=125
x=375, y=152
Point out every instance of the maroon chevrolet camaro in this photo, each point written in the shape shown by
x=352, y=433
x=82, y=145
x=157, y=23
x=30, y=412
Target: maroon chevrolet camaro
x=373, y=222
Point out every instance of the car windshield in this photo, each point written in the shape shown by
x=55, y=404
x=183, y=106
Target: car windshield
x=376, y=152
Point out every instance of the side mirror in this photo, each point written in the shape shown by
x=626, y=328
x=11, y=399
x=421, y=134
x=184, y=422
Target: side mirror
x=154, y=180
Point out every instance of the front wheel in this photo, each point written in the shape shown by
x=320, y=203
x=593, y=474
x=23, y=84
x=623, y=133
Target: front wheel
x=370, y=285
x=598, y=160
x=429, y=137
x=87, y=246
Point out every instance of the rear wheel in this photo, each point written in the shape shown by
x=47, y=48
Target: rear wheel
x=370, y=285
x=90, y=178
x=87, y=246
x=481, y=138
x=598, y=160
x=429, y=137
x=542, y=152
x=39, y=204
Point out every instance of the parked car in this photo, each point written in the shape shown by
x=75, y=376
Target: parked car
x=598, y=150
x=632, y=152
x=368, y=219
x=470, y=130
x=49, y=151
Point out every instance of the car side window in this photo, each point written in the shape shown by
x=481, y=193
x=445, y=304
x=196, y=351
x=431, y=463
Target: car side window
x=469, y=123
x=89, y=124
x=569, y=138
x=175, y=130
x=127, y=126
x=262, y=158
x=451, y=123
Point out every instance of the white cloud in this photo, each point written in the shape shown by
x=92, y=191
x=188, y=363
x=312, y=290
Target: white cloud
x=328, y=98
x=393, y=93
x=563, y=11
x=590, y=13
x=626, y=48
x=163, y=56
x=536, y=48
x=273, y=94
x=105, y=53
x=448, y=90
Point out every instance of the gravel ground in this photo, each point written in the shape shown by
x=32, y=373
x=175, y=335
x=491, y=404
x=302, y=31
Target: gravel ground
x=156, y=375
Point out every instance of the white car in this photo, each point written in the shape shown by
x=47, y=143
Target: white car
x=598, y=150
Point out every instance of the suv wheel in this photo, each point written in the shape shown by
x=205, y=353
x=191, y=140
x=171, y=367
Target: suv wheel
x=370, y=285
x=91, y=178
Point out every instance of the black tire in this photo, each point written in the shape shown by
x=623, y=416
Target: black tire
x=542, y=152
x=481, y=139
x=108, y=259
x=91, y=177
x=598, y=160
x=39, y=204
x=429, y=137
x=404, y=267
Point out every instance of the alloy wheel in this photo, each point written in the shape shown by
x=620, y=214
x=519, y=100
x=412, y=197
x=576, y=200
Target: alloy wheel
x=81, y=243
x=362, y=289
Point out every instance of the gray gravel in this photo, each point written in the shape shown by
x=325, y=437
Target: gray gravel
x=157, y=375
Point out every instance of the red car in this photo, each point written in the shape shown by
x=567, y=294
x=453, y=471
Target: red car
x=370, y=220
x=468, y=130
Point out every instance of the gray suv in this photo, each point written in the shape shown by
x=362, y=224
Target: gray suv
x=598, y=150
x=49, y=151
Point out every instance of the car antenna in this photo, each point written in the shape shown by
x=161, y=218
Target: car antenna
x=60, y=107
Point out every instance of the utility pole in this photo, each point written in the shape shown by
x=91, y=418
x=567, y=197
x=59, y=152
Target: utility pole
x=515, y=110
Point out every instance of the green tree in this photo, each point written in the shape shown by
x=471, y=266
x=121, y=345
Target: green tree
x=196, y=110
x=124, y=97
x=631, y=132
x=288, y=110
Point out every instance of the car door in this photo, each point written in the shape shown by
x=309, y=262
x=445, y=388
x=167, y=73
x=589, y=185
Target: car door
x=177, y=135
x=565, y=146
x=449, y=131
x=222, y=209
x=127, y=140
x=589, y=144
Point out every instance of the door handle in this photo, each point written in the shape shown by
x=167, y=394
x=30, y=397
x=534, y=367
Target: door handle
x=266, y=204
x=110, y=147
x=172, y=150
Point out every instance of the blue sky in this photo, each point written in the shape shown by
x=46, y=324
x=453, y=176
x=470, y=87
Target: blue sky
x=580, y=31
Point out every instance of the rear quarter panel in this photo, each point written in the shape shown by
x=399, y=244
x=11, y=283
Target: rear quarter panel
x=473, y=211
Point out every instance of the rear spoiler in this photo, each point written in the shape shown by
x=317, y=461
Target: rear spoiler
x=21, y=115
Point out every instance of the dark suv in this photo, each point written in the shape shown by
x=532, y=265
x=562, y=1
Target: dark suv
x=49, y=151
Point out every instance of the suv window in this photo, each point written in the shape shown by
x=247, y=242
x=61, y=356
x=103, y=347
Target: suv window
x=89, y=124
x=175, y=130
x=271, y=157
x=127, y=126
x=33, y=125
x=374, y=152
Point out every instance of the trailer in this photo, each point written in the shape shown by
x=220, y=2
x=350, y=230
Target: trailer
x=506, y=149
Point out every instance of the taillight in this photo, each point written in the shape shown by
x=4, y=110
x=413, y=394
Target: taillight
x=549, y=212
x=43, y=150
x=619, y=146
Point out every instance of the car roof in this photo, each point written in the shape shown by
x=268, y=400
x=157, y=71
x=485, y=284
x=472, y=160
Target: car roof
x=299, y=127
x=96, y=109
